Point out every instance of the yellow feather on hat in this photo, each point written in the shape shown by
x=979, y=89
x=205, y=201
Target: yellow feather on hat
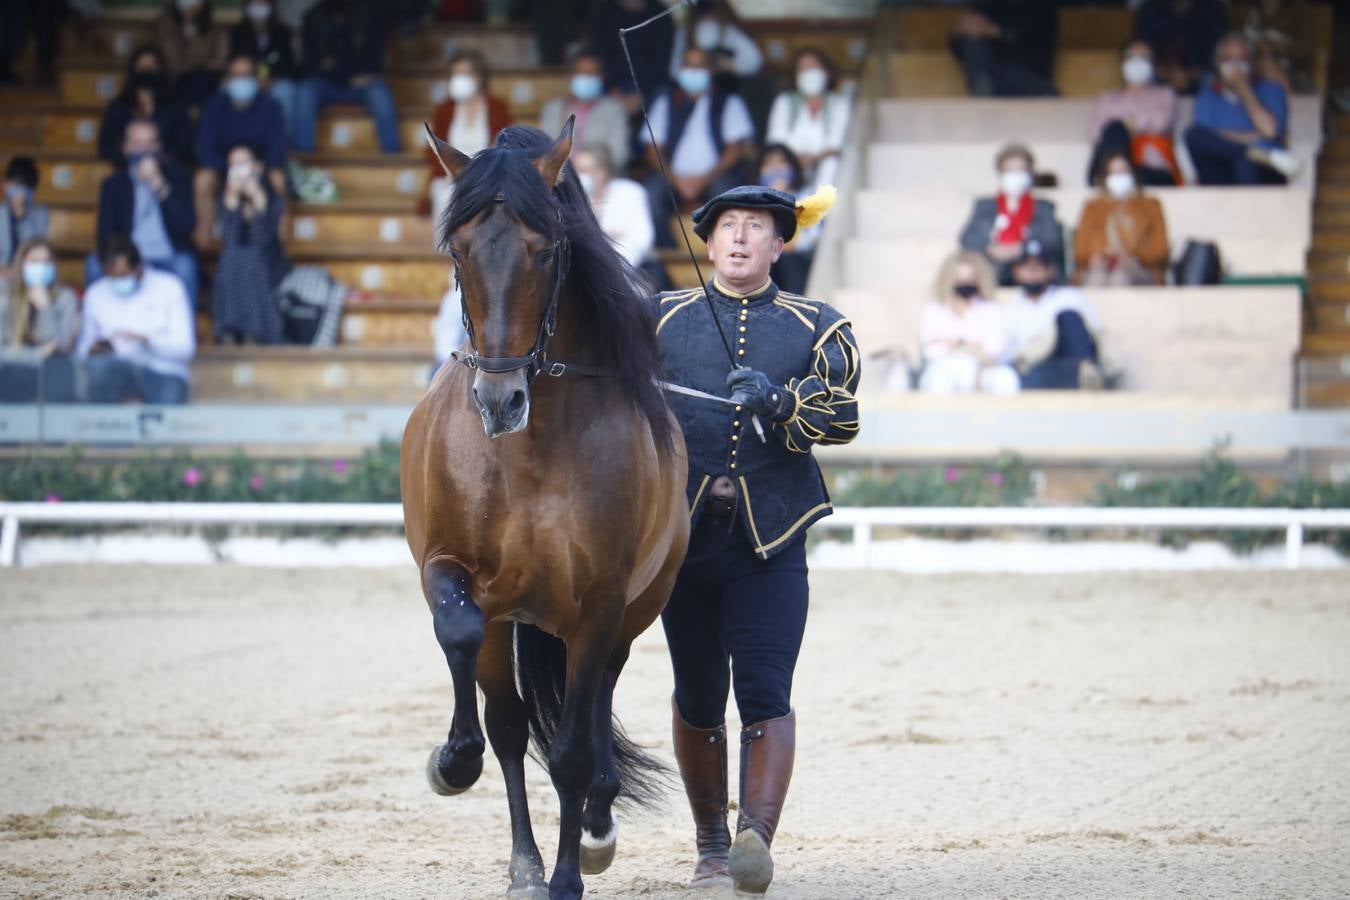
x=810, y=210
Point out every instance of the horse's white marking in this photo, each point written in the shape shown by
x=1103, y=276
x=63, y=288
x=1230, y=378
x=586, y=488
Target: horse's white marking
x=599, y=842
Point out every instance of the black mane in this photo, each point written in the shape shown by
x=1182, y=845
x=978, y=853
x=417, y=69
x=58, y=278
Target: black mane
x=606, y=293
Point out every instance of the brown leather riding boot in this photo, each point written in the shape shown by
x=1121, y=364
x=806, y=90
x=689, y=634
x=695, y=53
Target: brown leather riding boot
x=767, y=750
x=702, y=756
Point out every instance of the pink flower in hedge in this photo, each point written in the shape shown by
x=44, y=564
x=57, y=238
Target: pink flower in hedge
x=192, y=477
x=953, y=476
x=340, y=466
x=996, y=479
x=53, y=498
x=257, y=482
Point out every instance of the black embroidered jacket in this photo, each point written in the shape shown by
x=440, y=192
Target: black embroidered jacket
x=804, y=345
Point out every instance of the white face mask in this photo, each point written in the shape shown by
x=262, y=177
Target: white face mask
x=1120, y=185
x=463, y=87
x=1137, y=71
x=812, y=82
x=1014, y=182
x=587, y=182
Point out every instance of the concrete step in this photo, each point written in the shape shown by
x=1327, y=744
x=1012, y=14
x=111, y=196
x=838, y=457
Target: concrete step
x=308, y=375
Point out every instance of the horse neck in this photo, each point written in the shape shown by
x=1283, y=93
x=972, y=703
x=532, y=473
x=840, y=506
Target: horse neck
x=572, y=341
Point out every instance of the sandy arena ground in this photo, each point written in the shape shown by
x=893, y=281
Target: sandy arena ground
x=227, y=732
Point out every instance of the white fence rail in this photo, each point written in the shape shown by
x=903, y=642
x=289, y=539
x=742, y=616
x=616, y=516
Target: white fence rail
x=860, y=520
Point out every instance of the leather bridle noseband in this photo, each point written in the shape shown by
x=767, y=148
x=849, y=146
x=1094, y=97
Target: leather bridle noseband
x=536, y=360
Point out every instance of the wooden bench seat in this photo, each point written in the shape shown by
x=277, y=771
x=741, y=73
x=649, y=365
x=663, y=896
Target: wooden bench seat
x=1218, y=340
x=310, y=375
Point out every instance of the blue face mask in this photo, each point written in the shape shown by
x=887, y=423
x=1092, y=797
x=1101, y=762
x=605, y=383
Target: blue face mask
x=123, y=286
x=39, y=274
x=242, y=89
x=586, y=87
x=135, y=159
x=19, y=192
x=695, y=81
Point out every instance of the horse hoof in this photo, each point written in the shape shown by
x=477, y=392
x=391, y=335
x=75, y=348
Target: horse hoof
x=528, y=892
x=455, y=782
x=751, y=865
x=597, y=853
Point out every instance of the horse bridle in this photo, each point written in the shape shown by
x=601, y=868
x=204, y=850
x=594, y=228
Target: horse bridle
x=536, y=360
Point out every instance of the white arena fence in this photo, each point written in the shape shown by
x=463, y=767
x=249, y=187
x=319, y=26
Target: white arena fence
x=860, y=520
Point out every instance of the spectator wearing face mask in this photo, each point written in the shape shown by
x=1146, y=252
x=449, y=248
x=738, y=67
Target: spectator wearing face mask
x=780, y=169
x=705, y=133
x=620, y=206
x=714, y=26
x=1001, y=225
x=195, y=47
x=21, y=219
x=599, y=119
x=239, y=113
x=252, y=263
x=1138, y=119
x=1241, y=123
x=39, y=319
x=343, y=53
x=1185, y=33
x=136, y=337
x=1008, y=49
x=1053, y=335
x=150, y=199
x=468, y=119
x=961, y=333
x=261, y=35
x=812, y=120
x=147, y=93
x=1121, y=237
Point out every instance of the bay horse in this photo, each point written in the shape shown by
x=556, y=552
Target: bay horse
x=543, y=483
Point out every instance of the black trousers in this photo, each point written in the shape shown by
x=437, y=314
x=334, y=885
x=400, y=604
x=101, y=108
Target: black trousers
x=735, y=620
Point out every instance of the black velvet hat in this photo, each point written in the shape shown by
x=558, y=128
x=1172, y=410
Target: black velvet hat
x=782, y=206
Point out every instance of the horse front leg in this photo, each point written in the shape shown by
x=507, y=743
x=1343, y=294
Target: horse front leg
x=599, y=828
x=507, y=723
x=571, y=756
x=454, y=766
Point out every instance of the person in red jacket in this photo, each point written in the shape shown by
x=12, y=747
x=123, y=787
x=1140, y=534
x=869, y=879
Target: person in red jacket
x=468, y=119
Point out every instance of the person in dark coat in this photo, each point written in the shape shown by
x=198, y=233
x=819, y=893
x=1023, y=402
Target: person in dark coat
x=1000, y=226
x=263, y=36
x=738, y=612
x=147, y=93
x=252, y=262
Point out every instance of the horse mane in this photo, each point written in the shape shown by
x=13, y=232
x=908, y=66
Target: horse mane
x=606, y=292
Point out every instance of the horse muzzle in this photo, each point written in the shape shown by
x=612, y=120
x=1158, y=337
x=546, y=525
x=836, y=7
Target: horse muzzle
x=503, y=401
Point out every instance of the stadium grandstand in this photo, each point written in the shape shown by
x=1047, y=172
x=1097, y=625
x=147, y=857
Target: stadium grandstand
x=1235, y=332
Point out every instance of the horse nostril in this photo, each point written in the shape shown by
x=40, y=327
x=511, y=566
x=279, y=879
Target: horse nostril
x=516, y=403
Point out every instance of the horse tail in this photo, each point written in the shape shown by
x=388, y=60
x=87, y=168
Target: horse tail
x=541, y=669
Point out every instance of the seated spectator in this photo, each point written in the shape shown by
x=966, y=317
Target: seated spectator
x=21, y=219
x=736, y=59
x=961, y=332
x=39, y=319
x=1138, y=119
x=620, y=207
x=469, y=119
x=1052, y=333
x=237, y=114
x=705, y=133
x=252, y=262
x=150, y=199
x=261, y=35
x=42, y=20
x=147, y=93
x=195, y=47
x=1241, y=123
x=1008, y=49
x=600, y=119
x=1000, y=225
x=343, y=51
x=1184, y=34
x=136, y=337
x=780, y=169
x=651, y=59
x=1121, y=237
x=812, y=120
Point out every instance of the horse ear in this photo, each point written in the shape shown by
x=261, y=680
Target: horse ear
x=550, y=165
x=451, y=159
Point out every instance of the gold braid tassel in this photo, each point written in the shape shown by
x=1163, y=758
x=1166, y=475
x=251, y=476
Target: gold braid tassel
x=810, y=210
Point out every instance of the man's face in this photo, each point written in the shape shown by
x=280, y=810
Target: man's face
x=586, y=65
x=1232, y=58
x=1032, y=271
x=141, y=138
x=240, y=68
x=120, y=267
x=743, y=245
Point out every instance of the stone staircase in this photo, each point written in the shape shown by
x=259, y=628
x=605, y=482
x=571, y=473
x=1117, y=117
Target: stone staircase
x=1325, y=358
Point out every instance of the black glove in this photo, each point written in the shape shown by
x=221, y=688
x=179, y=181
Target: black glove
x=754, y=391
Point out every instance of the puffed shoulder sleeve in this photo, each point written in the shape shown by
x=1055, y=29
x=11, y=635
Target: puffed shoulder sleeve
x=826, y=410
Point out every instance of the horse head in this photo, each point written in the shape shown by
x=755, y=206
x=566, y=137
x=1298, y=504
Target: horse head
x=505, y=232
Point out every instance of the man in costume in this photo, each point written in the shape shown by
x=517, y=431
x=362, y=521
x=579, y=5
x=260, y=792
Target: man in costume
x=738, y=612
